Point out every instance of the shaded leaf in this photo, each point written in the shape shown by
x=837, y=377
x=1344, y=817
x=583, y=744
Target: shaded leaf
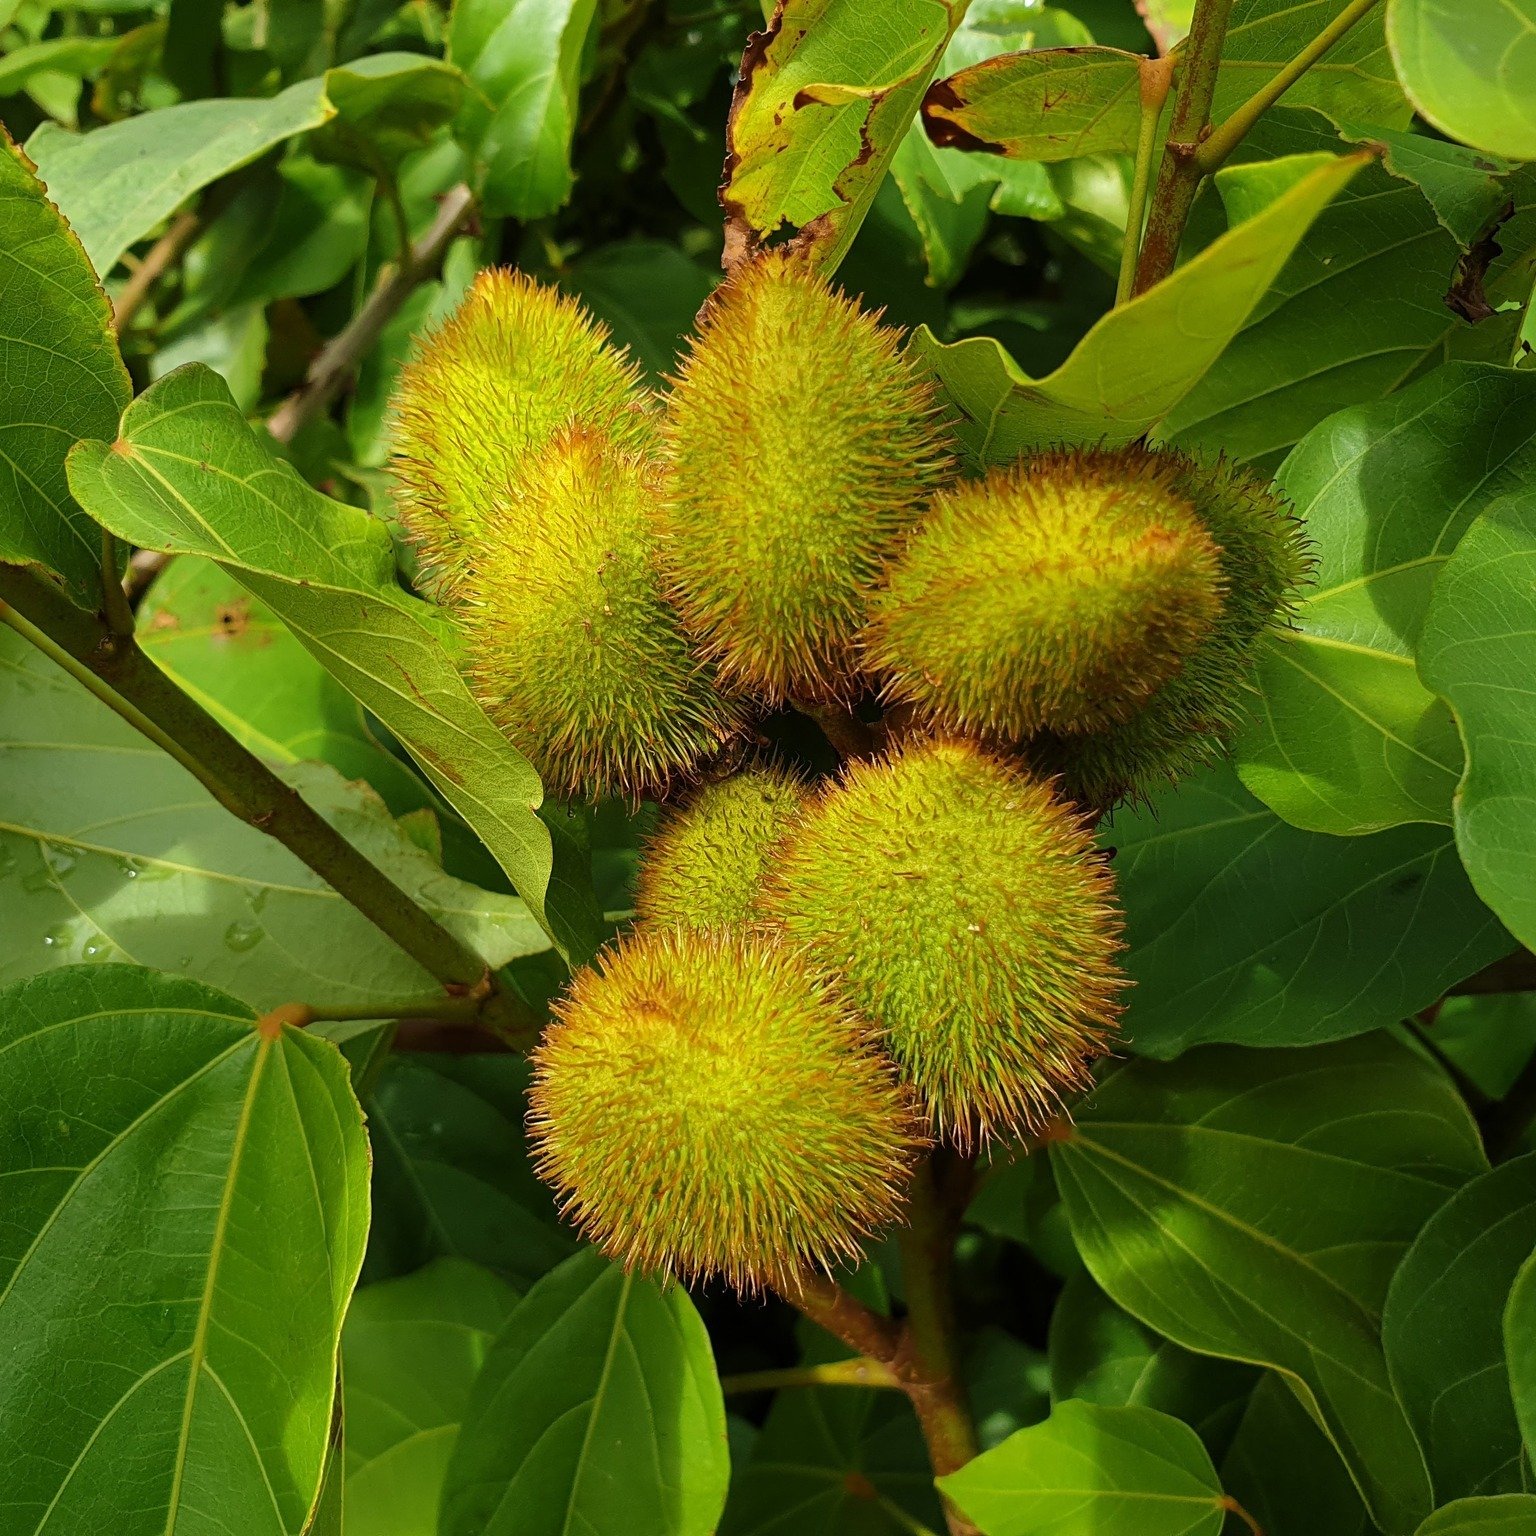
x=1093, y=1471
x=189, y=475
x=411, y=1350
x=523, y=61
x=451, y=1171
x=1243, y=928
x=64, y=381
x=826, y=93
x=111, y=851
x=387, y=105
x=1470, y=69
x=150, y=1132
x=1254, y=1205
x=1479, y=653
x=597, y=1409
x=1520, y=1351
x=1508, y=1515
x=1348, y=739
x=1142, y=358
x=1443, y=1331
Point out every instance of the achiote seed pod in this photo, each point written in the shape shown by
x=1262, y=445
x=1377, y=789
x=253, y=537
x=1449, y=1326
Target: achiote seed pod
x=569, y=642
x=801, y=444
x=704, y=1107
x=1058, y=594
x=482, y=397
x=961, y=906
x=704, y=868
x=1264, y=564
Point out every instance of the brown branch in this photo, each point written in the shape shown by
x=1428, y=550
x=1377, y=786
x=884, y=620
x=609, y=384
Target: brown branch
x=339, y=358
x=160, y=258
x=849, y=735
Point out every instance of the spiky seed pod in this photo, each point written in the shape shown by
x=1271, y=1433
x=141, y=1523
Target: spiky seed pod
x=1186, y=724
x=705, y=1107
x=801, y=443
x=962, y=907
x=1057, y=594
x=515, y=363
x=704, y=867
x=569, y=642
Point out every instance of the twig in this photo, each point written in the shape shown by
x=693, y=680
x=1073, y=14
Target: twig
x=1219, y=144
x=340, y=356
x=844, y=1316
x=1179, y=177
x=835, y=1373
x=848, y=734
x=114, y=669
x=161, y=256
x=1505, y=1123
x=1476, y=1099
x=115, y=607
x=1156, y=80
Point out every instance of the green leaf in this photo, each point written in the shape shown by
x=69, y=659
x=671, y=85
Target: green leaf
x=170, y=1350
x=1510, y=1514
x=1443, y=1331
x=452, y=1176
x=1093, y=1471
x=411, y=1350
x=1102, y=1354
x=835, y=1461
x=1285, y=1472
x=1520, y=1350
x=523, y=61
x=1243, y=928
x=64, y=381
x=111, y=851
x=1045, y=104
x=116, y=183
x=1254, y=1204
x=597, y=1409
x=387, y=105
x=1357, y=310
x=74, y=56
x=827, y=92
x=190, y=476
x=1354, y=79
x=1470, y=69
x=1478, y=652
x=1349, y=740
x=1142, y=358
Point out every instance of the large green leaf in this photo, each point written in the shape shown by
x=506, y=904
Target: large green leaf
x=1357, y=310
x=1044, y=104
x=451, y=1172
x=523, y=60
x=1470, y=69
x=116, y=183
x=63, y=381
x=1478, y=652
x=188, y=475
x=1511, y=1514
x=1254, y=1205
x=1100, y=1353
x=1520, y=1351
x=386, y=106
x=598, y=1409
x=1142, y=358
x=111, y=851
x=1243, y=928
x=827, y=92
x=1348, y=739
x=1443, y=1332
x=1354, y=79
x=411, y=1350
x=187, y=1200
x=1089, y=1470
x=1262, y=1470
